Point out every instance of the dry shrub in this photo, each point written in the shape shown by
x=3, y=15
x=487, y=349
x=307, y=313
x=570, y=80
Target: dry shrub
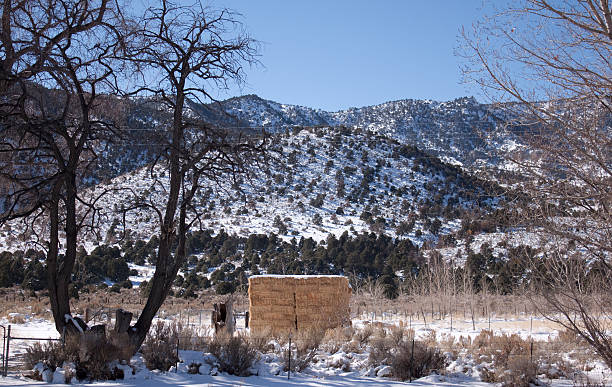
x=51, y=354
x=17, y=319
x=96, y=367
x=352, y=347
x=380, y=347
x=307, y=343
x=159, y=348
x=39, y=309
x=464, y=342
x=487, y=376
x=280, y=338
x=234, y=354
x=192, y=339
x=430, y=339
x=551, y=361
x=512, y=363
x=69, y=373
x=508, y=348
x=300, y=359
x=396, y=334
x=569, y=337
x=579, y=351
x=336, y=338
x=92, y=365
x=408, y=364
x=447, y=342
x=193, y=368
x=72, y=345
x=261, y=342
x=510, y=356
x=520, y=372
x=362, y=336
x=311, y=338
x=483, y=340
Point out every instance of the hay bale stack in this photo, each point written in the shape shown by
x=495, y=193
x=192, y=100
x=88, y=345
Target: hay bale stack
x=271, y=304
x=281, y=304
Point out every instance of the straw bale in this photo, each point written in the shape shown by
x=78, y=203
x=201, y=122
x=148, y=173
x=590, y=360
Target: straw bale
x=275, y=302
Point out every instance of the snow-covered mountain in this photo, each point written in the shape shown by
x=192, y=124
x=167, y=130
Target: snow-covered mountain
x=328, y=180
x=407, y=161
x=459, y=131
x=402, y=169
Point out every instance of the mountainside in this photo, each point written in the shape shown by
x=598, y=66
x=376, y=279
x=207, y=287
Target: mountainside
x=328, y=180
x=459, y=131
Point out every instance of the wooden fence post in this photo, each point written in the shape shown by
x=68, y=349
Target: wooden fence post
x=6, y=356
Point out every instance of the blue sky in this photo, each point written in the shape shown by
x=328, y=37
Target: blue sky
x=337, y=54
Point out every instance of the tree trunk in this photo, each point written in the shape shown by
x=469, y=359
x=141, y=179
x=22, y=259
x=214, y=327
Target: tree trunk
x=58, y=290
x=166, y=267
x=59, y=273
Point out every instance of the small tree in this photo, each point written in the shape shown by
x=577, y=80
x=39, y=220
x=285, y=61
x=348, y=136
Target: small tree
x=280, y=225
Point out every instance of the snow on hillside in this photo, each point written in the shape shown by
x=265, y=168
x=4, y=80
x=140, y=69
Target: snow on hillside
x=358, y=176
x=460, y=130
x=380, y=188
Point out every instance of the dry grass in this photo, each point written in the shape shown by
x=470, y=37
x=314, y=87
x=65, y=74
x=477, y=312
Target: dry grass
x=507, y=357
x=15, y=300
x=436, y=307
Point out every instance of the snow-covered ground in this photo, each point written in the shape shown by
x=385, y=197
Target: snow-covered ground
x=325, y=371
x=153, y=379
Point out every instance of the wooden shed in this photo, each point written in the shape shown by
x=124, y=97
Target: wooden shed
x=286, y=303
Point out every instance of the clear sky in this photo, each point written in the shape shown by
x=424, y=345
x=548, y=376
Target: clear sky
x=337, y=54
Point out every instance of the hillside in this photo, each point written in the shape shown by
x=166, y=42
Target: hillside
x=328, y=180
x=458, y=132
x=363, y=187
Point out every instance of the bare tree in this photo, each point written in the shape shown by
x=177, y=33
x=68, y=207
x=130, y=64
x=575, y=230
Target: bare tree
x=182, y=53
x=546, y=64
x=56, y=59
x=31, y=31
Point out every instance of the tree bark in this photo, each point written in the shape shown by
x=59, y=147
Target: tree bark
x=166, y=268
x=57, y=305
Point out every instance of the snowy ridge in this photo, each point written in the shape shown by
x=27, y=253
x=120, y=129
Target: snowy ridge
x=460, y=130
